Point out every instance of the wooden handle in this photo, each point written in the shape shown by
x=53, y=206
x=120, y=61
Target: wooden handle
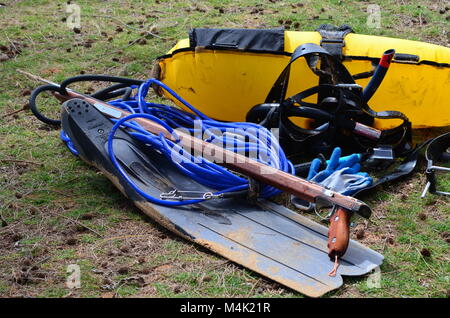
x=237, y=162
x=339, y=233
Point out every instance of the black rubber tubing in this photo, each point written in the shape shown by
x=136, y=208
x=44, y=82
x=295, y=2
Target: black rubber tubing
x=33, y=107
x=122, y=88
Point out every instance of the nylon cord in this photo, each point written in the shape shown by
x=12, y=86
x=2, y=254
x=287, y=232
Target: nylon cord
x=250, y=139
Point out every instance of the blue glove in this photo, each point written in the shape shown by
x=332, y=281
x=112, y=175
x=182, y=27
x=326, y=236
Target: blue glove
x=341, y=175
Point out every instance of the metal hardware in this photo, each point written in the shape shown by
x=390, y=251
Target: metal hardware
x=189, y=195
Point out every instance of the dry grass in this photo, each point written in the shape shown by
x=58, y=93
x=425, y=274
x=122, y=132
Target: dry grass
x=56, y=211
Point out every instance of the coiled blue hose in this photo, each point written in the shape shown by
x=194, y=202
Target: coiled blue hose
x=245, y=138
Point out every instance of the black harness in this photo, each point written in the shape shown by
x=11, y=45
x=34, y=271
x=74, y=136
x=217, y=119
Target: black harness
x=340, y=117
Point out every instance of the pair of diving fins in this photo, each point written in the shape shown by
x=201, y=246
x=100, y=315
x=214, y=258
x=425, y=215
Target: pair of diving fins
x=262, y=236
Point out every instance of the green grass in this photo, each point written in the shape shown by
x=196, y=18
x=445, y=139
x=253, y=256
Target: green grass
x=38, y=28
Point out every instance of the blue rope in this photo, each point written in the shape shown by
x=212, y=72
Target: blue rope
x=245, y=138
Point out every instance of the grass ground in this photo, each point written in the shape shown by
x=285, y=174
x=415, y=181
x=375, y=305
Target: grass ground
x=56, y=211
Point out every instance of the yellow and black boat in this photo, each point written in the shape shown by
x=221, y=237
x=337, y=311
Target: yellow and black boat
x=225, y=72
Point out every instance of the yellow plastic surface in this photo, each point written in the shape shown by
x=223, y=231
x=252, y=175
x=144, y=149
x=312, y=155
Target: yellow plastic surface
x=226, y=84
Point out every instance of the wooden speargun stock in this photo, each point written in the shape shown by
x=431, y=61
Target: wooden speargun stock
x=306, y=190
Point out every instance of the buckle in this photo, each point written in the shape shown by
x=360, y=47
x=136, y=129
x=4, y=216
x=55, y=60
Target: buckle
x=334, y=46
x=431, y=181
x=332, y=41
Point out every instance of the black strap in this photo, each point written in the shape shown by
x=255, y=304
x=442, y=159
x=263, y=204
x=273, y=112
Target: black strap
x=254, y=190
x=249, y=40
x=333, y=38
x=311, y=53
x=339, y=104
x=407, y=167
x=349, y=113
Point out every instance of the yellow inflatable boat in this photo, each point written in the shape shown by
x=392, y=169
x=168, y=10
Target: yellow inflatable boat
x=225, y=72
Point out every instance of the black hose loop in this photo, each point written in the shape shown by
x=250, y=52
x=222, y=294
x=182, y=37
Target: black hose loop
x=34, y=109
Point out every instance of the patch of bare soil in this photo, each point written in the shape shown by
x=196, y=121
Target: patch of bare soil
x=26, y=247
x=40, y=242
x=407, y=22
x=11, y=50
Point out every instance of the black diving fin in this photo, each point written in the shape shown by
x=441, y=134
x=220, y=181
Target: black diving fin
x=263, y=236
